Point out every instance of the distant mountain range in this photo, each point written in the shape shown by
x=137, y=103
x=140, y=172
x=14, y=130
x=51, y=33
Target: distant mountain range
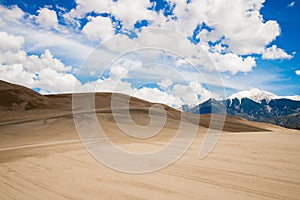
x=255, y=105
x=259, y=95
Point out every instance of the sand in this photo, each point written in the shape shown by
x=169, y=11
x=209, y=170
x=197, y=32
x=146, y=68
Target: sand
x=42, y=157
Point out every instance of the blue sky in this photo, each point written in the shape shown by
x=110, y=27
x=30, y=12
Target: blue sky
x=250, y=44
x=288, y=18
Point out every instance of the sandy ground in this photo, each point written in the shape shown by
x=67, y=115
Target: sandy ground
x=44, y=159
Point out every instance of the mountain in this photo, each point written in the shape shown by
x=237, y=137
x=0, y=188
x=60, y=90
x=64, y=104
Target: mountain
x=258, y=95
x=254, y=94
x=282, y=112
x=16, y=97
x=295, y=98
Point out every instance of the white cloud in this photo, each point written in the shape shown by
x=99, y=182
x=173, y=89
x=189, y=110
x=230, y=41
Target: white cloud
x=34, y=71
x=126, y=10
x=165, y=83
x=186, y=94
x=204, y=93
x=99, y=28
x=83, y=7
x=129, y=11
x=47, y=79
x=157, y=96
x=189, y=94
x=245, y=33
x=10, y=57
x=65, y=44
x=177, y=95
x=274, y=52
x=46, y=60
x=118, y=73
x=297, y=72
x=292, y=4
x=232, y=63
x=243, y=26
x=105, y=85
x=10, y=42
x=228, y=62
x=13, y=14
x=239, y=21
x=199, y=55
x=47, y=18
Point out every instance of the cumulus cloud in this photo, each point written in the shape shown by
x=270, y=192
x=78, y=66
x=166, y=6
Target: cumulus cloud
x=186, y=94
x=83, y=7
x=232, y=63
x=200, y=55
x=232, y=22
x=243, y=26
x=129, y=12
x=180, y=94
x=274, y=52
x=105, y=85
x=47, y=79
x=297, y=72
x=13, y=14
x=47, y=18
x=157, y=96
x=99, y=28
x=240, y=22
x=193, y=93
x=10, y=42
x=34, y=71
x=64, y=42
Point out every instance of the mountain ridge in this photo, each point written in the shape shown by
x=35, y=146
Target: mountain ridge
x=282, y=112
x=258, y=95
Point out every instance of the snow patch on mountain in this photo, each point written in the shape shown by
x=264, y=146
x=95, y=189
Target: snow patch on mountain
x=253, y=94
x=295, y=98
x=258, y=95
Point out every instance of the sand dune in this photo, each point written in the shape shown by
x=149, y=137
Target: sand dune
x=42, y=157
x=26, y=105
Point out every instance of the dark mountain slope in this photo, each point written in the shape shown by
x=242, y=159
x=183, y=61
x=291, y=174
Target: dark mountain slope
x=282, y=112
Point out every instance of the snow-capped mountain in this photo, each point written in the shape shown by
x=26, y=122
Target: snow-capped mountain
x=294, y=98
x=254, y=94
x=256, y=105
x=258, y=95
